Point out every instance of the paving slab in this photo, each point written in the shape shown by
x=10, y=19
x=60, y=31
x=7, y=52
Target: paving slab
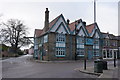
x=112, y=72
x=89, y=70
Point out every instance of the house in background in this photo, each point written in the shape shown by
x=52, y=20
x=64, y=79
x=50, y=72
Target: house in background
x=110, y=46
x=26, y=51
x=62, y=40
x=118, y=37
x=31, y=50
x=4, y=50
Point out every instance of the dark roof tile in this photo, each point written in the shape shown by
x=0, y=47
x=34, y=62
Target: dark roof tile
x=90, y=28
x=38, y=32
x=72, y=25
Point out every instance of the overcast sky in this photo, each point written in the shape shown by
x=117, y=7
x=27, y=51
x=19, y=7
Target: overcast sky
x=32, y=12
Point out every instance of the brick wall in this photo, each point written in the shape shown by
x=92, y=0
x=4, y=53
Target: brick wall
x=51, y=42
x=73, y=47
x=69, y=47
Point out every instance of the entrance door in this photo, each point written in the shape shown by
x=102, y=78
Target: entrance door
x=89, y=51
x=90, y=54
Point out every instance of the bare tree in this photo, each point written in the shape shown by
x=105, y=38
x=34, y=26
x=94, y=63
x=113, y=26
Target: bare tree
x=13, y=32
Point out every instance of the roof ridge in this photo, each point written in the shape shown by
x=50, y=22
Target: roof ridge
x=74, y=21
x=90, y=24
x=38, y=29
x=90, y=27
x=55, y=19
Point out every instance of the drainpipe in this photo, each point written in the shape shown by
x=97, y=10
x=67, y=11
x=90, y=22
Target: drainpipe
x=75, y=42
x=76, y=32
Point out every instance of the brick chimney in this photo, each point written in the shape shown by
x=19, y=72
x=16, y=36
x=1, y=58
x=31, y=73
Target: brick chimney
x=46, y=25
x=79, y=21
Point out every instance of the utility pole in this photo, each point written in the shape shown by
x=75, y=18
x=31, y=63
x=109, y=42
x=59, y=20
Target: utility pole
x=94, y=11
x=95, y=40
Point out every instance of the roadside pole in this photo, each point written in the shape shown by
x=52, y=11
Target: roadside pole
x=114, y=60
x=85, y=52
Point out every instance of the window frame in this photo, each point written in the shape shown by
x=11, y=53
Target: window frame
x=60, y=45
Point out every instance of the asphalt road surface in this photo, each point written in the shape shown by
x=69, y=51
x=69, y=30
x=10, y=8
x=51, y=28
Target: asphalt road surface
x=22, y=67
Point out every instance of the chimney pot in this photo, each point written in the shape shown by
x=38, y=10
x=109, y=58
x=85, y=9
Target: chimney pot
x=84, y=23
x=46, y=9
x=80, y=20
x=68, y=21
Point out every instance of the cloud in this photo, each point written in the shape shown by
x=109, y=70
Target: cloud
x=32, y=13
x=107, y=17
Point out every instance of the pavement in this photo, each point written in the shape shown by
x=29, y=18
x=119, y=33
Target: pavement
x=112, y=72
x=26, y=67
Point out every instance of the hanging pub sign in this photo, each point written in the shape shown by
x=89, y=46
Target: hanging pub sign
x=89, y=41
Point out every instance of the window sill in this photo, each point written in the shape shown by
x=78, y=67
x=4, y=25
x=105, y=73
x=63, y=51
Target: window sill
x=60, y=55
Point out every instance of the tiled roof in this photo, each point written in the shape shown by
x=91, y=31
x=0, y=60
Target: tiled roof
x=111, y=36
x=53, y=21
x=104, y=34
x=38, y=32
x=90, y=28
x=117, y=37
x=72, y=25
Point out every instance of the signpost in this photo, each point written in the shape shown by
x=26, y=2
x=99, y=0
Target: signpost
x=85, y=52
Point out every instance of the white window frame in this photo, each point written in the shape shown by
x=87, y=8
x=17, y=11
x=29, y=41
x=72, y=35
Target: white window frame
x=79, y=52
x=60, y=37
x=60, y=45
x=45, y=38
x=60, y=52
x=96, y=52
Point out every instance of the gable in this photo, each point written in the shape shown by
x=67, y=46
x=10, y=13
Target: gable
x=96, y=35
x=58, y=22
x=61, y=29
x=82, y=29
x=94, y=31
x=81, y=32
x=72, y=25
x=90, y=28
x=107, y=37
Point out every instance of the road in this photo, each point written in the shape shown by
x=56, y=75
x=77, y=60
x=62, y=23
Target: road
x=21, y=67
